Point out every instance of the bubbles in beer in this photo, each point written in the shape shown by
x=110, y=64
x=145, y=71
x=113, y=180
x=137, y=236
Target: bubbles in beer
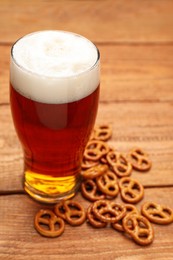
x=54, y=67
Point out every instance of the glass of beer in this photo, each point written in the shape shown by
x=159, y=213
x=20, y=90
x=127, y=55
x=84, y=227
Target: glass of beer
x=54, y=93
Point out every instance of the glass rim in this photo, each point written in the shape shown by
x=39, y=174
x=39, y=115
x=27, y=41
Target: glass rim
x=55, y=77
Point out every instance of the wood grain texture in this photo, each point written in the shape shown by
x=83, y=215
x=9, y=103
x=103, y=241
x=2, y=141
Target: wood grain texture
x=135, y=39
x=128, y=73
x=108, y=21
x=19, y=239
x=4, y=72
x=145, y=125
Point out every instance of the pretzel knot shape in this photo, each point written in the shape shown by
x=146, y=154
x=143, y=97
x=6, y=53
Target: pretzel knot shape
x=46, y=223
x=95, y=171
x=130, y=208
x=131, y=190
x=108, y=184
x=93, y=220
x=107, y=211
x=139, y=228
x=102, y=132
x=157, y=213
x=89, y=190
x=71, y=211
x=139, y=159
x=95, y=150
x=119, y=163
x=86, y=164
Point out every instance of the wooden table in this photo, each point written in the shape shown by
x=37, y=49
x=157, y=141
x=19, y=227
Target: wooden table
x=135, y=39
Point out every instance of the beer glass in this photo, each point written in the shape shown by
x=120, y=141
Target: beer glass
x=54, y=93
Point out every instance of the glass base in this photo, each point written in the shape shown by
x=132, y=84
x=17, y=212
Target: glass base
x=48, y=189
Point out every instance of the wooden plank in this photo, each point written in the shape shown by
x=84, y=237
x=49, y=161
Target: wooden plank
x=20, y=241
x=110, y=21
x=4, y=72
x=147, y=125
x=142, y=73
x=11, y=157
x=136, y=73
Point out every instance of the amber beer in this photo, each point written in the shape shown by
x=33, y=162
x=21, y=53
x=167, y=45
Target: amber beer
x=54, y=92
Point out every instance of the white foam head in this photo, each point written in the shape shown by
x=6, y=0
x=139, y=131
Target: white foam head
x=54, y=66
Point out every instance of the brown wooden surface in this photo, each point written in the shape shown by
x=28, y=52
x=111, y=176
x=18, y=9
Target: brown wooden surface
x=135, y=39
